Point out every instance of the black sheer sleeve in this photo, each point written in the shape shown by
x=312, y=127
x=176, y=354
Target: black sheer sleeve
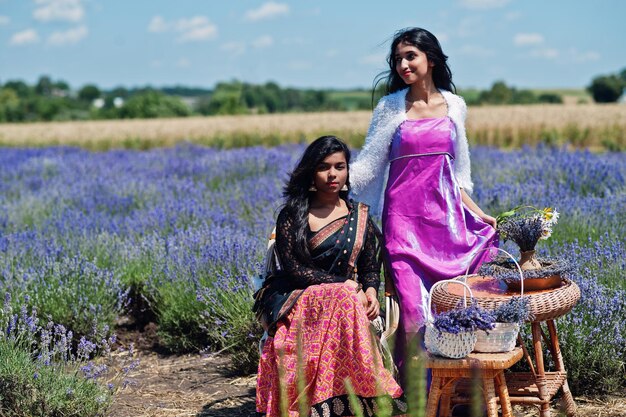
x=368, y=264
x=301, y=275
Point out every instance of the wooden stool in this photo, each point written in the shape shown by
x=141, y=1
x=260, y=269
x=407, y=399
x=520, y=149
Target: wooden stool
x=490, y=368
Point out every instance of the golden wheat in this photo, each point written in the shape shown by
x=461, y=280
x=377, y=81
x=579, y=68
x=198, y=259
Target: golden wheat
x=510, y=126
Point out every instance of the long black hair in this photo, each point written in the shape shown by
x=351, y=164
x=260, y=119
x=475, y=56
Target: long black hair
x=428, y=44
x=296, y=192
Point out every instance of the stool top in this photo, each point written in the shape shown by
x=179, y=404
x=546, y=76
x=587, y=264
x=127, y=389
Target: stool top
x=476, y=360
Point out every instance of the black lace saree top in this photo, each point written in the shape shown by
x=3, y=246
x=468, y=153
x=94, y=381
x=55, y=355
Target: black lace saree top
x=343, y=249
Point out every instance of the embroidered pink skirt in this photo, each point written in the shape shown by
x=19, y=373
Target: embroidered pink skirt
x=325, y=340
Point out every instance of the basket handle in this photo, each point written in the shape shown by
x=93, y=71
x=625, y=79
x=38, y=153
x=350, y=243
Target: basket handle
x=521, y=274
x=446, y=281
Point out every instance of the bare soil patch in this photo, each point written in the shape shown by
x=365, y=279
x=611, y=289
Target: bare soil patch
x=202, y=386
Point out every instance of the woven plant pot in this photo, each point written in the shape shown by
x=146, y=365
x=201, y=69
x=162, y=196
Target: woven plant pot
x=449, y=345
x=501, y=338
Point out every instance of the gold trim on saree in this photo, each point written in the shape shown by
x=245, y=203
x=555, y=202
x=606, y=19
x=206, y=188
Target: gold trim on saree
x=325, y=232
x=360, y=234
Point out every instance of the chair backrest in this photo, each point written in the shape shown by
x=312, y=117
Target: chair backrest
x=272, y=263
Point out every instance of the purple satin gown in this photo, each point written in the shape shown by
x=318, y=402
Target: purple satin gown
x=430, y=235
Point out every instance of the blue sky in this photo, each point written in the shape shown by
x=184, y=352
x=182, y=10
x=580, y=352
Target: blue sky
x=323, y=43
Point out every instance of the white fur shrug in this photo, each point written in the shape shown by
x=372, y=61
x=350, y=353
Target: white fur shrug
x=368, y=174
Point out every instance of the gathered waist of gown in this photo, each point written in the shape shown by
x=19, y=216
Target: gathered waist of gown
x=413, y=155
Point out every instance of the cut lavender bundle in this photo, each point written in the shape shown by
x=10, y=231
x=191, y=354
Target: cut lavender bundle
x=515, y=310
x=464, y=319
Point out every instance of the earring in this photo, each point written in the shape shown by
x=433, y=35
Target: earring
x=312, y=188
x=345, y=187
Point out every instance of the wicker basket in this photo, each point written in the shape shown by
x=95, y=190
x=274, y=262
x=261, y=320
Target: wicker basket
x=446, y=344
x=503, y=337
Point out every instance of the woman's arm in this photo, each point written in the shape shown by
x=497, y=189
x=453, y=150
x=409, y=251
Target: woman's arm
x=467, y=200
x=368, y=270
x=301, y=275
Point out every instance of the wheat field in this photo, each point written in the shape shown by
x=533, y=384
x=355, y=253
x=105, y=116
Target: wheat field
x=589, y=125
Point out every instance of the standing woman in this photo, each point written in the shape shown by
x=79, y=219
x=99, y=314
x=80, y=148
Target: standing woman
x=317, y=310
x=416, y=141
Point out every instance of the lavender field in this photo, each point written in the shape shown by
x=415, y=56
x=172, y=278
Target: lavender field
x=174, y=236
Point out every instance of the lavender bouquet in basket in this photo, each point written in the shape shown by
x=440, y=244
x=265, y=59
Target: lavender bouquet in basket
x=464, y=319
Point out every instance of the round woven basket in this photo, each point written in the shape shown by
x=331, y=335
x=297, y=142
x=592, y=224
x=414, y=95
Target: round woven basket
x=450, y=345
x=544, y=305
x=501, y=338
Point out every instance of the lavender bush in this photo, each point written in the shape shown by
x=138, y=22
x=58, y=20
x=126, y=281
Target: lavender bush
x=181, y=231
x=44, y=371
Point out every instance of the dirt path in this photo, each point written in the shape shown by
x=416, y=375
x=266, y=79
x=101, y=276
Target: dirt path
x=201, y=386
x=189, y=385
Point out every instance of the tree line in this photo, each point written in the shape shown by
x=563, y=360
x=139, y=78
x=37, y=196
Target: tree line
x=48, y=99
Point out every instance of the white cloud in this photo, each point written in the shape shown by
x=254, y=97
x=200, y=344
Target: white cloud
x=157, y=24
x=524, y=39
x=483, y=4
x=476, y=50
x=193, y=29
x=579, y=56
x=546, y=53
x=378, y=59
x=68, y=37
x=183, y=63
x=235, y=48
x=201, y=33
x=4, y=20
x=263, y=42
x=69, y=10
x=24, y=37
x=267, y=11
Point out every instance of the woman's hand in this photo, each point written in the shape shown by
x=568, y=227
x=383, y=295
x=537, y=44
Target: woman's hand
x=372, y=309
x=489, y=220
x=362, y=298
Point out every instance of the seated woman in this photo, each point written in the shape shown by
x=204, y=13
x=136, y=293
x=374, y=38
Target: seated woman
x=317, y=308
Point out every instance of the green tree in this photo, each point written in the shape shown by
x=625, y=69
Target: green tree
x=227, y=98
x=523, y=97
x=552, y=98
x=498, y=94
x=89, y=93
x=606, y=88
x=20, y=88
x=152, y=104
x=9, y=105
x=44, y=86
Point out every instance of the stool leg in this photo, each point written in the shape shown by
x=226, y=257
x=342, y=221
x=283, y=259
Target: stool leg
x=446, y=395
x=503, y=392
x=433, y=396
x=490, y=397
x=567, y=400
